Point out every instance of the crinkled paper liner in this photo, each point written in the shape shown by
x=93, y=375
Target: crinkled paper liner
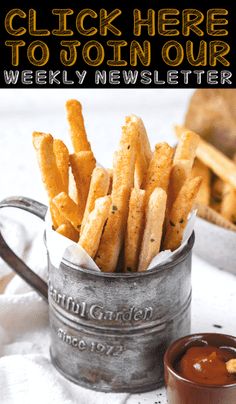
x=209, y=214
x=60, y=247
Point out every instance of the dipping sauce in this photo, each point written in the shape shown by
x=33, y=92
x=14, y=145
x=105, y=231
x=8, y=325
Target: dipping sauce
x=207, y=365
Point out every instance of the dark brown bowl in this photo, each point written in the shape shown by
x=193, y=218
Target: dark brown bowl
x=183, y=391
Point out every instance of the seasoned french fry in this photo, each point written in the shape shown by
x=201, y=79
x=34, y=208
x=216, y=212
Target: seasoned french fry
x=123, y=180
x=145, y=141
x=67, y=230
x=134, y=231
x=153, y=228
x=82, y=165
x=99, y=186
x=62, y=160
x=144, y=152
x=201, y=170
x=228, y=206
x=53, y=212
x=124, y=158
x=211, y=215
x=43, y=144
x=110, y=172
x=143, y=135
x=94, y=224
x=57, y=218
x=158, y=173
x=186, y=148
x=69, y=209
x=141, y=167
x=221, y=165
x=179, y=213
x=114, y=231
x=73, y=193
x=77, y=128
x=178, y=175
x=182, y=163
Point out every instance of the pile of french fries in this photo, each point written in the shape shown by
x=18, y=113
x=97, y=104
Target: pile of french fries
x=122, y=217
x=218, y=188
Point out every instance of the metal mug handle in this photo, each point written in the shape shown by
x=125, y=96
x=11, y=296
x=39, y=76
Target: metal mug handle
x=39, y=210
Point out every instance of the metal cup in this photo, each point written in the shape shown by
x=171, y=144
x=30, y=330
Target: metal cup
x=109, y=331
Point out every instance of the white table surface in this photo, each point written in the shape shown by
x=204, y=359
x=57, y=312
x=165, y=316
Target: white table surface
x=22, y=111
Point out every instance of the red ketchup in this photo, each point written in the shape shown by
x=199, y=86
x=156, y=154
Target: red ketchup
x=207, y=365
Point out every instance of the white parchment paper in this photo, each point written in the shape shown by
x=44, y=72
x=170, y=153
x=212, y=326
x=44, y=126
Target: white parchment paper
x=60, y=247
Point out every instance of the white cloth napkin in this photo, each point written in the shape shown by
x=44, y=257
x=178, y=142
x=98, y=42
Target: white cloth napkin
x=26, y=373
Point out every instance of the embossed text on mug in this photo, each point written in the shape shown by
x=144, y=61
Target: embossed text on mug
x=96, y=311
x=91, y=346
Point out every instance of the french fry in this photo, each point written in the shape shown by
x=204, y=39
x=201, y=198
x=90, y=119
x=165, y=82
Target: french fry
x=67, y=230
x=99, y=186
x=201, y=170
x=145, y=141
x=134, y=231
x=158, y=173
x=77, y=128
x=144, y=152
x=123, y=180
x=178, y=175
x=82, y=165
x=110, y=172
x=143, y=134
x=43, y=144
x=114, y=231
x=211, y=215
x=186, y=148
x=73, y=193
x=182, y=163
x=62, y=160
x=228, y=205
x=124, y=158
x=153, y=228
x=54, y=215
x=69, y=209
x=94, y=225
x=141, y=167
x=179, y=213
x=221, y=165
x=57, y=218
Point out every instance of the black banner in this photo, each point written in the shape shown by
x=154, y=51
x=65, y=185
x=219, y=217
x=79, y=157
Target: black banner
x=107, y=44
